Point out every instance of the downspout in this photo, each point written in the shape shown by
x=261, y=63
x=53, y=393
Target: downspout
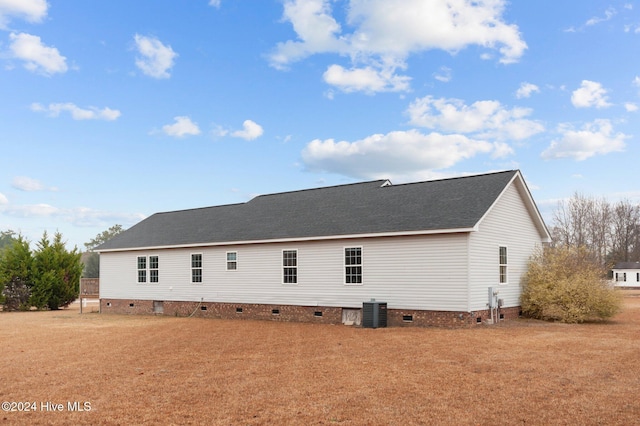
x=469, y=275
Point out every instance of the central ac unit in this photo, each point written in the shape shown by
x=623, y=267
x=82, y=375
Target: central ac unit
x=374, y=314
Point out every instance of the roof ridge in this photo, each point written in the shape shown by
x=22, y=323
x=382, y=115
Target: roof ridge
x=199, y=208
x=457, y=177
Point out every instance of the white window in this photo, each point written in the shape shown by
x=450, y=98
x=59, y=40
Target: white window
x=353, y=265
x=153, y=269
x=148, y=269
x=196, y=268
x=290, y=266
x=232, y=260
x=503, y=266
x=142, y=269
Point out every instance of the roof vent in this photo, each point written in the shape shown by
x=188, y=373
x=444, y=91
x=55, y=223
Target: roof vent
x=387, y=182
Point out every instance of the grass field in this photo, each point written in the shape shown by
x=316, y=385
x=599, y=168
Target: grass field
x=166, y=370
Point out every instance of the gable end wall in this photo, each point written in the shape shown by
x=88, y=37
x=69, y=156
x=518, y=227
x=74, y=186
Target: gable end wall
x=507, y=224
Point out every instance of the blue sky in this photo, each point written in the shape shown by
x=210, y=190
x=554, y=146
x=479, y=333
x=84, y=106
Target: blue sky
x=112, y=111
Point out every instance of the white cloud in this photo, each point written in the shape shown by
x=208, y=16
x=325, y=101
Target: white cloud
x=444, y=75
x=28, y=184
x=31, y=210
x=317, y=30
x=386, y=32
x=250, y=131
x=630, y=107
x=78, y=216
x=3, y=199
x=486, y=119
x=30, y=10
x=38, y=58
x=399, y=153
x=590, y=94
x=182, y=127
x=156, y=59
x=219, y=131
x=77, y=113
x=215, y=3
x=368, y=80
x=608, y=14
x=526, y=89
x=399, y=27
x=595, y=138
x=88, y=217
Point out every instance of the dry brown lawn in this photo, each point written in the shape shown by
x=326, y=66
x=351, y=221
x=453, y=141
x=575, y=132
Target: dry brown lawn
x=164, y=370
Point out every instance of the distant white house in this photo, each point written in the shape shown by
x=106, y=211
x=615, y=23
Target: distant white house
x=443, y=252
x=626, y=274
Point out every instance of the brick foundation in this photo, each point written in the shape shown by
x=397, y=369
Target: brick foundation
x=318, y=314
x=405, y=317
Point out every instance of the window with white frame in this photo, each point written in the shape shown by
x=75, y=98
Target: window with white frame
x=153, y=269
x=353, y=265
x=142, y=269
x=503, y=265
x=196, y=268
x=232, y=260
x=622, y=277
x=290, y=266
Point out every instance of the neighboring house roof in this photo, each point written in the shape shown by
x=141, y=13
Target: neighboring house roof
x=361, y=209
x=627, y=265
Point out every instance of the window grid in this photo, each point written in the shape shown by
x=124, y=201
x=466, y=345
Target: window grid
x=153, y=269
x=353, y=265
x=290, y=266
x=196, y=268
x=142, y=269
x=232, y=261
x=503, y=265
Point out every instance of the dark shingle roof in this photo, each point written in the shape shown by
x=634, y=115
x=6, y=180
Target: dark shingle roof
x=627, y=265
x=355, y=209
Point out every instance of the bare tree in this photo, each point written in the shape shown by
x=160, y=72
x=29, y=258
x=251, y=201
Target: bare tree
x=572, y=220
x=624, y=232
x=610, y=232
x=599, y=229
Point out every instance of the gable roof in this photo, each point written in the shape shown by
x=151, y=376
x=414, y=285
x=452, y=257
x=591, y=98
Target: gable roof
x=361, y=209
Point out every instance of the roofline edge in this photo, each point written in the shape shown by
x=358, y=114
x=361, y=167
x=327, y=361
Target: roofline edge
x=298, y=239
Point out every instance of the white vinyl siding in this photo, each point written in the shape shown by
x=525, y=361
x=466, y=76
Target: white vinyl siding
x=626, y=278
x=506, y=225
x=418, y=272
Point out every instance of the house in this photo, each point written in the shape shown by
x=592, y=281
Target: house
x=442, y=252
x=626, y=275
